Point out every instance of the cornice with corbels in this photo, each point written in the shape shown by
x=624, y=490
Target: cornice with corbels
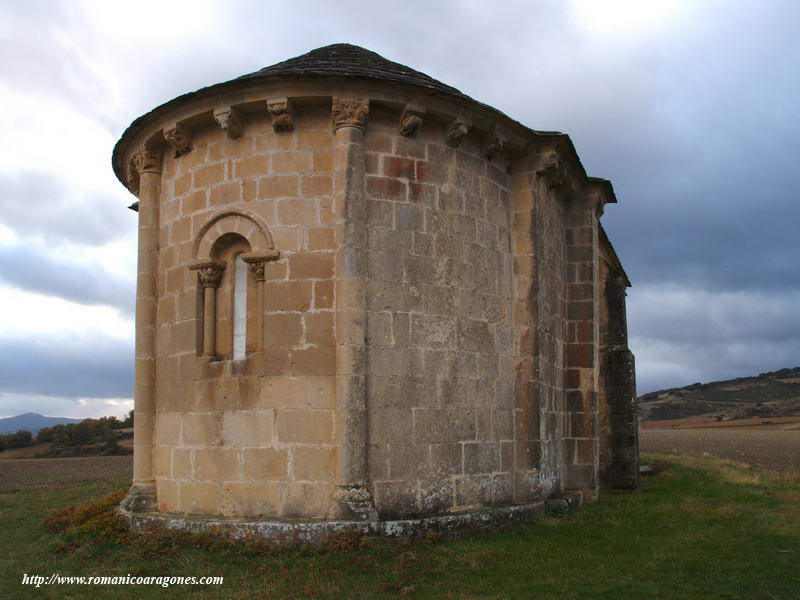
x=554, y=157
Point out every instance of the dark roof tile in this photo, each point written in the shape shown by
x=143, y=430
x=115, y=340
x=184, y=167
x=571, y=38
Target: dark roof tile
x=347, y=60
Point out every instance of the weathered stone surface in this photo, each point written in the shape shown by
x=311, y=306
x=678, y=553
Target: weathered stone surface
x=357, y=301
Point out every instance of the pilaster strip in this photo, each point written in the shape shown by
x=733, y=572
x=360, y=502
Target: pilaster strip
x=349, y=120
x=142, y=495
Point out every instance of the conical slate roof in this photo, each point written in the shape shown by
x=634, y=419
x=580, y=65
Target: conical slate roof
x=347, y=60
x=335, y=61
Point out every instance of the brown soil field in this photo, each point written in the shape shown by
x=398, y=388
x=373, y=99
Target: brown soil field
x=774, y=450
x=28, y=452
x=704, y=422
x=61, y=472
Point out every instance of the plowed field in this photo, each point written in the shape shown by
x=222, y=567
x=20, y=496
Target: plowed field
x=772, y=449
x=60, y=472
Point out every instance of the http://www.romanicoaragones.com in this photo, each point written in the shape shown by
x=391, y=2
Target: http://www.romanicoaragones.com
x=162, y=581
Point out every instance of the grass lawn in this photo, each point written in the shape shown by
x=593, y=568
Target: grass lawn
x=701, y=528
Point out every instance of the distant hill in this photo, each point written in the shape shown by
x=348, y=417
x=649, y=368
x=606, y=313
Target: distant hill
x=772, y=394
x=32, y=422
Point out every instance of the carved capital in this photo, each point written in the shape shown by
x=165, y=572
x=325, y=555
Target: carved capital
x=455, y=133
x=349, y=112
x=411, y=120
x=282, y=114
x=147, y=159
x=257, y=269
x=256, y=261
x=209, y=272
x=229, y=121
x=179, y=138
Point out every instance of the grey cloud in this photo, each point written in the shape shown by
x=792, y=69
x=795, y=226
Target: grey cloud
x=35, y=203
x=677, y=316
x=660, y=366
x=48, y=54
x=31, y=270
x=67, y=366
x=697, y=126
x=681, y=336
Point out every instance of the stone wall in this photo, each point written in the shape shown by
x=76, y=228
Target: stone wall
x=549, y=306
x=539, y=272
x=439, y=330
x=618, y=426
x=427, y=329
x=252, y=437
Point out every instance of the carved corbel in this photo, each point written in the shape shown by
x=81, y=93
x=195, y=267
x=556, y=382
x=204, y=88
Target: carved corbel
x=602, y=192
x=179, y=138
x=349, y=112
x=411, y=120
x=455, y=133
x=132, y=177
x=256, y=261
x=282, y=114
x=229, y=121
x=554, y=170
x=147, y=159
x=493, y=146
x=615, y=287
x=209, y=272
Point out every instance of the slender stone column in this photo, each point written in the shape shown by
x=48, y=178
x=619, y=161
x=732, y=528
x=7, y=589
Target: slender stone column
x=210, y=274
x=142, y=495
x=349, y=117
x=257, y=264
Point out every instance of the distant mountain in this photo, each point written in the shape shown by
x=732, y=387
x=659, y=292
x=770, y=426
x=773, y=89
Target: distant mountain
x=772, y=394
x=32, y=422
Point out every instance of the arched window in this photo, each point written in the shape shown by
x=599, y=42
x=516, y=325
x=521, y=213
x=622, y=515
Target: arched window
x=229, y=256
x=229, y=298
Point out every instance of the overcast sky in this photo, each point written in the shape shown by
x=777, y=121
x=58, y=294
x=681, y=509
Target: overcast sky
x=690, y=108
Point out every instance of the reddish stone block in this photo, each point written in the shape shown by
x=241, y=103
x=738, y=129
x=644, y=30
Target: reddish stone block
x=580, y=311
x=580, y=355
x=395, y=166
x=386, y=188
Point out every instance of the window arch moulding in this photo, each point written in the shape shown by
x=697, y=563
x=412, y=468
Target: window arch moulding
x=206, y=261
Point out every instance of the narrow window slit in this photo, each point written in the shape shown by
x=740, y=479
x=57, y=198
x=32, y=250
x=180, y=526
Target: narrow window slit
x=239, y=308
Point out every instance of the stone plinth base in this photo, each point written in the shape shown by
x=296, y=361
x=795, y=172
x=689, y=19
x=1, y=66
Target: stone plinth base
x=314, y=532
x=140, y=498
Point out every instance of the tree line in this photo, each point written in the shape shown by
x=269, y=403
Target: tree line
x=69, y=439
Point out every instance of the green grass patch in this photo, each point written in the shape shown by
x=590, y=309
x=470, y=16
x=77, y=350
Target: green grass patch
x=700, y=528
